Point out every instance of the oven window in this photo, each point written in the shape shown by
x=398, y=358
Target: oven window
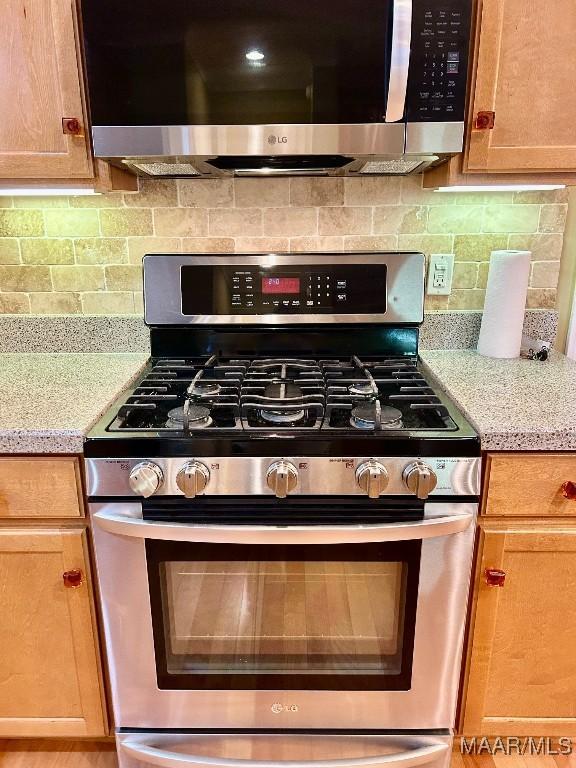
x=300, y=617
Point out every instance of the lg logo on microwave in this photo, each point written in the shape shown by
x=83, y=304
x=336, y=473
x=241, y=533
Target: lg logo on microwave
x=278, y=708
x=272, y=139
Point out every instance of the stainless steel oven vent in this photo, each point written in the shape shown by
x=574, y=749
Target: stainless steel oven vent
x=397, y=166
x=166, y=169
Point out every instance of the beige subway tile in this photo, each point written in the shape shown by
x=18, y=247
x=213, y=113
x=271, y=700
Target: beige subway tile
x=510, y=218
x=208, y=245
x=55, y=303
x=479, y=198
x=466, y=299
x=345, y=221
x=543, y=246
x=21, y=223
x=316, y=244
x=372, y=190
x=541, y=298
x=107, y=200
x=261, y=193
x=121, y=303
x=180, y=222
x=101, y=250
x=69, y=222
x=545, y=274
x=25, y=278
x=125, y=222
x=227, y=222
x=290, y=222
x=9, y=250
x=478, y=247
x=396, y=219
x=138, y=247
x=41, y=202
x=371, y=243
x=552, y=218
x=157, y=193
x=261, y=244
x=206, y=193
x=465, y=275
x=482, y=279
x=123, y=277
x=139, y=303
x=435, y=303
x=426, y=243
x=78, y=278
x=411, y=193
x=455, y=219
x=309, y=191
x=543, y=196
x=14, y=304
x=6, y=202
x=44, y=251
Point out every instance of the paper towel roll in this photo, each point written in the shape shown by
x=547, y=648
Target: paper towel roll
x=503, y=318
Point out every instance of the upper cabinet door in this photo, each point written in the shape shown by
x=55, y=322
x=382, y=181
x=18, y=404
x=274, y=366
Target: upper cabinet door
x=525, y=76
x=40, y=87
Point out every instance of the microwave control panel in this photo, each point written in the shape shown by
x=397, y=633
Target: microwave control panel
x=439, y=61
x=292, y=290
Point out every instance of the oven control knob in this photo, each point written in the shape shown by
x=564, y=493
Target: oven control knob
x=420, y=479
x=192, y=478
x=372, y=477
x=145, y=478
x=282, y=478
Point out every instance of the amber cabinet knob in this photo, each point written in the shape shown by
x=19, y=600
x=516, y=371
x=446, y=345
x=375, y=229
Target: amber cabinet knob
x=569, y=490
x=72, y=578
x=484, y=121
x=72, y=126
x=495, y=577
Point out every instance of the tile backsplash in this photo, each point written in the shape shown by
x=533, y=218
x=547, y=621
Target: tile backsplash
x=82, y=255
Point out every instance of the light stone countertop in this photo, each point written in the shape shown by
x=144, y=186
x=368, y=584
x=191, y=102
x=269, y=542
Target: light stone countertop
x=48, y=402
x=516, y=405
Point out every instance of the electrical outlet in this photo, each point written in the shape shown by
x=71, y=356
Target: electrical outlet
x=440, y=269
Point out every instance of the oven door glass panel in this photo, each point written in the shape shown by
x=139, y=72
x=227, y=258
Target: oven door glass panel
x=295, y=617
x=233, y=62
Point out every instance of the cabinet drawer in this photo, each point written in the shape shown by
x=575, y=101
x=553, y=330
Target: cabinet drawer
x=39, y=487
x=529, y=484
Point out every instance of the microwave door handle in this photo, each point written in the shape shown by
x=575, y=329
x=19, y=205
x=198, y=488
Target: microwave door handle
x=165, y=759
x=399, y=59
x=124, y=525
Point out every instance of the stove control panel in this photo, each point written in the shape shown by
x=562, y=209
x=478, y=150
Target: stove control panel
x=285, y=476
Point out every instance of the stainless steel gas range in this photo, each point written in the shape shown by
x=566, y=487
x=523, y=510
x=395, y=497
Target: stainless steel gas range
x=283, y=510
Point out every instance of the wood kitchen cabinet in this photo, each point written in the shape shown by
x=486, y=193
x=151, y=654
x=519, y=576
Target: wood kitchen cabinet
x=522, y=80
x=49, y=666
x=40, y=487
x=522, y=671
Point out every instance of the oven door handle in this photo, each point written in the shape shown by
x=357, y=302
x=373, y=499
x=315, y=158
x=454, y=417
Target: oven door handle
x=399, y=60
x=166, y=759
x=125, y=525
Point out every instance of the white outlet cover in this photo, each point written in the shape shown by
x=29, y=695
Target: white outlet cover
x=440, y=271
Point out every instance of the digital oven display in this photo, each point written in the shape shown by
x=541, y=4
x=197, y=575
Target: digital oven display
x=280, y=285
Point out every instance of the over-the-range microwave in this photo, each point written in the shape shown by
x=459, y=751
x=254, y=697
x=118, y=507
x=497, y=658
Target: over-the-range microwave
x=259, y=87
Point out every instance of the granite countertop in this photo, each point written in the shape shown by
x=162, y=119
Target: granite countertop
x=48, y=402
x=516, y=405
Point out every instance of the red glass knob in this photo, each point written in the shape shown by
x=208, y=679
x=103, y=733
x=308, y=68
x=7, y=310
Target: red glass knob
x=484, y=121
x=569, y=490
x=495, y=577
x=72, y=578
x=72, y=126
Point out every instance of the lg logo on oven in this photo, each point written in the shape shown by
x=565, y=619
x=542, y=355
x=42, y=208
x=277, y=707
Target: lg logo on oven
x=277, y=708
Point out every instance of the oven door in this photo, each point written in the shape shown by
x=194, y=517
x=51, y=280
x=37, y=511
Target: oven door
x=237, y=624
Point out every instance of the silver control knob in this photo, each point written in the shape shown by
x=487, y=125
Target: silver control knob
x=192, y=478
x=372, y=477
x=282, y=478
x=420, y=479
x=145, y=478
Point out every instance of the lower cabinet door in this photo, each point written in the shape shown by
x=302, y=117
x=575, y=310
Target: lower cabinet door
x=50, y=683
x=522, y=663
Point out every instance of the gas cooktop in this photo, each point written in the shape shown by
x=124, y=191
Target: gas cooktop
x=284, y=394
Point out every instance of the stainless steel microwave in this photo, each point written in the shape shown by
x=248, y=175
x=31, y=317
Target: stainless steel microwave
x=200, y=88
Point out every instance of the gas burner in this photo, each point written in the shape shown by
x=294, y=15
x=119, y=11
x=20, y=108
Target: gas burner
x=196, y=416
x=282, y=417
x=205, y=388
x=365, y=416
x=363, y=388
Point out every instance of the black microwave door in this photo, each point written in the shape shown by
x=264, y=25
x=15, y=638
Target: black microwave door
x=237, y=62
